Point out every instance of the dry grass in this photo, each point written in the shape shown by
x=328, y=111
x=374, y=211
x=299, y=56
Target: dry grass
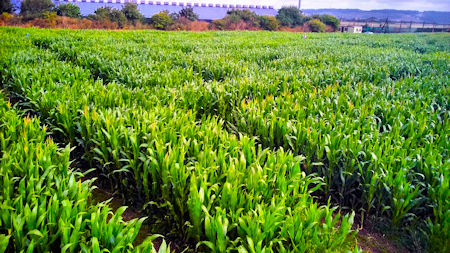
x=198, y=26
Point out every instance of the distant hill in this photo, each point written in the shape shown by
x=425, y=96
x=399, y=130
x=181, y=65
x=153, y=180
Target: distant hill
x=434, y=17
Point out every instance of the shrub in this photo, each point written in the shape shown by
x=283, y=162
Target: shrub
x=132, y=13
x=188, y=13
x=297, y=29
x=198, y=26
x=267, y=22
x=290, y=16
x=240, y=26
x=246, y=16
x=181, y=23
x=162, y=20
x=6, y=6
x=316, y=25
x=237, y=20
x=50, y=18
x=218, y=24
x=331, y=21
x=68, y=10
x=118, y=17
x=5, y=16
x=35, y=8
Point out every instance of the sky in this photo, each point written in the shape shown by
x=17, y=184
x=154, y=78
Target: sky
x=420, y=5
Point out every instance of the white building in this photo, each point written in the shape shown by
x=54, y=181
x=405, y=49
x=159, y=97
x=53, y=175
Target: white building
x=351, y=29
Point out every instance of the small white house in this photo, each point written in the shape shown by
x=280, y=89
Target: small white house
x=352, y=29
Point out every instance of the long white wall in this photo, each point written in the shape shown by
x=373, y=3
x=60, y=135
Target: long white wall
x=148, y=8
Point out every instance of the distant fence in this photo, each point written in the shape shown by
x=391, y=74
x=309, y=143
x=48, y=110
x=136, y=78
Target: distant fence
x=398, y=27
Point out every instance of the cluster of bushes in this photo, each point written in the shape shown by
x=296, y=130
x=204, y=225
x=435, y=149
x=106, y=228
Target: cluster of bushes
x=32, y=9
x=245, y=20
x=288, y=17
x=324, y=21
x=186, y=19
x=129, y=15
x=293, y=17
x=45, y=14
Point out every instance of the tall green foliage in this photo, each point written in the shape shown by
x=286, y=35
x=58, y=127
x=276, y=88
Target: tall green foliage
x=30, y=9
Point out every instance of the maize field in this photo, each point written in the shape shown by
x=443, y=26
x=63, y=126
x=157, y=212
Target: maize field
x=232, y=141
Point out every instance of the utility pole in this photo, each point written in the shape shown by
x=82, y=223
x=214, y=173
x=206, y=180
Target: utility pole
x=299, y=4
x=385, y=26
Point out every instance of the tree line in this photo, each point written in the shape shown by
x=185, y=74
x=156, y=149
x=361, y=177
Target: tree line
x=186, y=19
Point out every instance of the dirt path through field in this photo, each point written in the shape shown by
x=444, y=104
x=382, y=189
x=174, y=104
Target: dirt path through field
x=375, y=242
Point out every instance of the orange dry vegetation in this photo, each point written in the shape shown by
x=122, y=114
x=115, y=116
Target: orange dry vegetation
x=181, y=25
x=296, y=29
x=198, y=26
x=63, y=22
x=241, y=25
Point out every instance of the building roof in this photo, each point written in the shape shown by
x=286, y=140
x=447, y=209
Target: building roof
x=149, y=8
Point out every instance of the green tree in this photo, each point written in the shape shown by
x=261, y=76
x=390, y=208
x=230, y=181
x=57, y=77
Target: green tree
x=331, y=21
x=6, y=6
x=268, y=22
x=162, y=20
x=68, y=10
x=290, y=16
x=102, y=13
x=132, y=14
x=118, y=17
x=35, y=8
x=316, y=25
x=188, y=13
